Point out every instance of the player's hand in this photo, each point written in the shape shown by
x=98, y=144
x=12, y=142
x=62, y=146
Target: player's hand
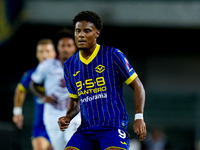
x=50, y=99
x=18, y=120
x=63, y=123
x=139, y=128
x=47, y=99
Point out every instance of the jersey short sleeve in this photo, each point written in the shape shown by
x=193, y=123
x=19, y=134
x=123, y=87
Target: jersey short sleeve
x=23, y=85
x=123, y=67
x=72, y=91
x=39, y=74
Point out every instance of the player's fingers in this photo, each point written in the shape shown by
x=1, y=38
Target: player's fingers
x=61, y=120
x=62, y=125
x=62, y=128
x=137, y=131
x=19, y=124
x=142, y=136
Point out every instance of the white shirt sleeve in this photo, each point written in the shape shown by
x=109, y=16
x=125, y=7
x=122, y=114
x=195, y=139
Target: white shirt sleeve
x=39, y=75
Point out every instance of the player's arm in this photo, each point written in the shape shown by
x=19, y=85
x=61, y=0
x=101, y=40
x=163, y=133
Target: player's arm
x=139, y=101
x=35, y=91
x=33, y=88
x=72, y=110
x=19, y=98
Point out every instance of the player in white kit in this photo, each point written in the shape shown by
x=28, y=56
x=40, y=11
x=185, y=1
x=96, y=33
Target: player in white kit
x=56, y=97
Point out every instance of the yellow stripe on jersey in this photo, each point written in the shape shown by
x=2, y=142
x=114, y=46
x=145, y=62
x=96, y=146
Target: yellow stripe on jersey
x=73, y=95
x=21, y=87
x=131, y=78
x=94, y=54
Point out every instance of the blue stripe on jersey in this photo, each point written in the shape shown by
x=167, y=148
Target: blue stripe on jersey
x=98, y=82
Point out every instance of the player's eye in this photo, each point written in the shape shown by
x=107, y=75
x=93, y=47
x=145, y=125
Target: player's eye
x=78, y=30
x=87, y=30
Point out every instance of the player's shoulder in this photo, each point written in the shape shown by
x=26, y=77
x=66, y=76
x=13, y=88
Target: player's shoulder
x=115, y=53
x=47, y=62
x=109, y=48
x=29, y=72
x=72, y=59
x=112, y=51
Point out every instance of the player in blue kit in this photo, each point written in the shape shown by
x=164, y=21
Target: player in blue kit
x=40, y=139
x=94, y=77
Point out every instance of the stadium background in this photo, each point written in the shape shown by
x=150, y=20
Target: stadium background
x=160, y=39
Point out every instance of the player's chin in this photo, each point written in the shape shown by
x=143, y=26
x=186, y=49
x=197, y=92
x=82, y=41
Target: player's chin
x=82, y=47
x=66, y=56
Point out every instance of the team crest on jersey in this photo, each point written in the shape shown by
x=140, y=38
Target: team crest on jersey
x=100, y=68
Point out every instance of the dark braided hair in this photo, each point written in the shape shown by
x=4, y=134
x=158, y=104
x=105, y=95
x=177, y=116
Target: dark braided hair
x=89, y=16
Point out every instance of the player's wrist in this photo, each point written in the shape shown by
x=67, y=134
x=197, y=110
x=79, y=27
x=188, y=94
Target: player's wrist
x=139, y=116
x=68, y=116
x=17, y=111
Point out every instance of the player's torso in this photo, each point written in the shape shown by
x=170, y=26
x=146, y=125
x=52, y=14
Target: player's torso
x=54, y=81
x=98, y=88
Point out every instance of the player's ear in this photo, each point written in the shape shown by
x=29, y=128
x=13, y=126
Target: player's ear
x=97, y=33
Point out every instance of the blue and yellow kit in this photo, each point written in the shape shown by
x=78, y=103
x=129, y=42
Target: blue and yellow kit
x=38, y=124
x=98, y=83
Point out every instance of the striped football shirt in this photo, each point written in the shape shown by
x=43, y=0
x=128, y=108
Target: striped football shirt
x=98, y=83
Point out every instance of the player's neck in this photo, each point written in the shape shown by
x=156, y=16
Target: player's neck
x=87, y=53
x=62, y=60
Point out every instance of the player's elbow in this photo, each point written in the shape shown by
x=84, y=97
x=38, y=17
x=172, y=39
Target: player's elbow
x=32, y=86
x=137, y=84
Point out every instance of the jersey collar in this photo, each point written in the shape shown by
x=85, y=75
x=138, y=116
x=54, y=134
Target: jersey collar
x=94, y=54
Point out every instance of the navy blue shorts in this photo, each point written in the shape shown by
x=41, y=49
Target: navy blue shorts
x=101, y=138
x=40, y=132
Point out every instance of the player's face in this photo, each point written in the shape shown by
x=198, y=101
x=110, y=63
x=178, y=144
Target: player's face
x=45, y=51
x=86, y=35
x=66, y=48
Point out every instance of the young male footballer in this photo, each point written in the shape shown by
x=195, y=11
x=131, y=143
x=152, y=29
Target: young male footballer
x=94, y=77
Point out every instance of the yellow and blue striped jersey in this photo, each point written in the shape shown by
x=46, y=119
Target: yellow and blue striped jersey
x=98, y=83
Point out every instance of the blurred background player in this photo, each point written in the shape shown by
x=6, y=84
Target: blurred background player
x=40, y=140
x=50, y=72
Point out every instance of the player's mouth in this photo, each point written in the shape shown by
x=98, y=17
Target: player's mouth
x=81, y=42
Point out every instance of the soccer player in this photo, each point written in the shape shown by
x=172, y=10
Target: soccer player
x=94, y=77
x=56, y=94
x=40, y=141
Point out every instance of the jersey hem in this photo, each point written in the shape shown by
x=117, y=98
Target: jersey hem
x=115, y=147
x=71, y=147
